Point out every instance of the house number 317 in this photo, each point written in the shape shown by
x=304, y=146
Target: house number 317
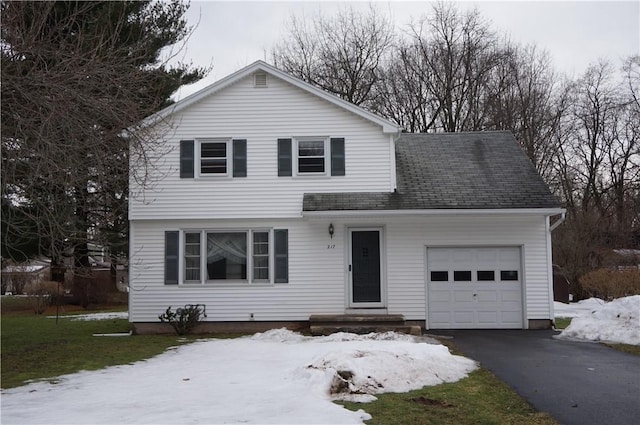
x=331, y=246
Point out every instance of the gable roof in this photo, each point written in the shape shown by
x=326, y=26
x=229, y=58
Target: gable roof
x=475, y=170
x=387, y=126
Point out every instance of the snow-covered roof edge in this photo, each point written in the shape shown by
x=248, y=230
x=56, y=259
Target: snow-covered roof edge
x=387, y=126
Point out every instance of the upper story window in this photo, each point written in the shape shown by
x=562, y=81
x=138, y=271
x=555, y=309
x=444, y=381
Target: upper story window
x=214, y=157
x=311, y=156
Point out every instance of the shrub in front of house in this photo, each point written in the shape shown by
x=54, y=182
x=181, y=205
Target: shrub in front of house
x=609, y=284
x=184, y=319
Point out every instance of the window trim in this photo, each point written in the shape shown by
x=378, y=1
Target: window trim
x=228, y=157
x=326, y=140
x=204, y=280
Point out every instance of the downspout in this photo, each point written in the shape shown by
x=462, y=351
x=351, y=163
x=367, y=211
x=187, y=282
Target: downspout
x=558, y=222
x=392, y=162
x=550, y=227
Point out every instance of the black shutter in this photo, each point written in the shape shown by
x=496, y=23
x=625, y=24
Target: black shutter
x=171, y=252
x=186, y=159
x=240, y=158
x=284, y=157
x=281, y=255
x=337, y=156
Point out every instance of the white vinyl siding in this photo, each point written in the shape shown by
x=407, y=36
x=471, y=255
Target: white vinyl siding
x=318, y=269
x=261, y=116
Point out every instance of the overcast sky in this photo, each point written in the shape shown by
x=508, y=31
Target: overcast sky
x=232, y=34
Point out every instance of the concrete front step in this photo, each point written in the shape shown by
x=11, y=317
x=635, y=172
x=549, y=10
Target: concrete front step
x=363, y=329
x=325, y=324
x=359, y=319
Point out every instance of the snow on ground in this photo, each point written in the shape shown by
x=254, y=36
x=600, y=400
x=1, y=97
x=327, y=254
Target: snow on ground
x=273, y=377
x=95, y=316
x=577, y=309
x=617, y=321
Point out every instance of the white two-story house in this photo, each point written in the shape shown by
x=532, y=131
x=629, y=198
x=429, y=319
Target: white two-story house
x=277, y=201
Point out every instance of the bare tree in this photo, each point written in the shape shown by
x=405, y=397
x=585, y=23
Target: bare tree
x=458, y=52
x=403, y=95
x=599, y=164
x=523, y=96
x=340, y=54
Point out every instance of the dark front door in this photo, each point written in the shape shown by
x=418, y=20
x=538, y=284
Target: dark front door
x=365, y=263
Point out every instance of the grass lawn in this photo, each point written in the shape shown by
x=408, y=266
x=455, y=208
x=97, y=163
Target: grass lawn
x=562, y=322
x=480, y=398
x=626, y=348
x=35, y=347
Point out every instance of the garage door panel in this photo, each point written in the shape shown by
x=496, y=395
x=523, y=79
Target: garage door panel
x=487, y=296
x=464, y=317
x=442, y=319
x=462, y=255
x=486, y=300
x=463, y=296
x=509, y=256
x=487, y=317
x=439, y=297
x=487, y=256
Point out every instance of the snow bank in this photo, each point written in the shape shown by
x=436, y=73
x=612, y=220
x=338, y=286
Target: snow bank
x=273, y=377
x=580, y=308
x=617, y=321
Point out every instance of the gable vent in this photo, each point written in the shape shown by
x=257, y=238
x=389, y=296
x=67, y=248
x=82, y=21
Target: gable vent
x=260, y=80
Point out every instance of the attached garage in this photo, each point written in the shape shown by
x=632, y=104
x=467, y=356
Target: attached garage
x=474, y=287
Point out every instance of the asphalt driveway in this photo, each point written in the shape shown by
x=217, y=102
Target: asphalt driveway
x=575, y=382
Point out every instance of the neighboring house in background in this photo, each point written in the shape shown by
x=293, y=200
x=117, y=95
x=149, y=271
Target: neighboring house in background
x=561, y=286
x=624, y=259
x=281, y=201
x=16, y=277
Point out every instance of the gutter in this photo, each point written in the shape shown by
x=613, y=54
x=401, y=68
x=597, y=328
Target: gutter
x=419, y=212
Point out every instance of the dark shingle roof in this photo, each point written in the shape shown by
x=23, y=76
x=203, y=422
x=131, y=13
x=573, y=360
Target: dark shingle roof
x=476, y=170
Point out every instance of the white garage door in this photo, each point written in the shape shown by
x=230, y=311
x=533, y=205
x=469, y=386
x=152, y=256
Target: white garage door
x=474, y=288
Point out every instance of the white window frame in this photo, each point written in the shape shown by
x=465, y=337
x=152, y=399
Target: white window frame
x=204, y=280
x=228, y=158
x=296, y=157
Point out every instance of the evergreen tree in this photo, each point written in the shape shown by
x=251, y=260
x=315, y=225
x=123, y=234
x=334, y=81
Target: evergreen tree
x=75, y=77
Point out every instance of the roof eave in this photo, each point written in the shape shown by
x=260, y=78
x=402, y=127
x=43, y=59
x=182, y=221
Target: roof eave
x=547, y=212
